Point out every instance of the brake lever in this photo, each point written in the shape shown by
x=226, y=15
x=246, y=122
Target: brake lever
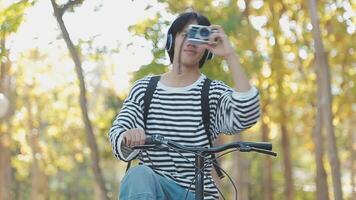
x=145, y=146
x=150, y=146
x=264, y=151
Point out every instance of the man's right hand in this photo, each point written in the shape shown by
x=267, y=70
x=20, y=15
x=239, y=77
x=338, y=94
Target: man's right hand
x=134, y=137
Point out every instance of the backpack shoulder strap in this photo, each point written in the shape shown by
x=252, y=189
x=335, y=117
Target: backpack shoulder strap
x=206, y=121
x=151, y=87
x=205, y=106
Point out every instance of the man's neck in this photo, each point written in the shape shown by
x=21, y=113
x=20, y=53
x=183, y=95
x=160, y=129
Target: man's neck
x=187, y=76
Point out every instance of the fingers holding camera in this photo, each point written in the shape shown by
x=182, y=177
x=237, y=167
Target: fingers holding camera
x=215, y=39
x=218, y=35
x=134, y=137
x=219, y=43
x=217, y=28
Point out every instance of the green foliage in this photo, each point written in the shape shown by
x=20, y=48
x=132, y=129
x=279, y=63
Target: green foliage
x=12, y=16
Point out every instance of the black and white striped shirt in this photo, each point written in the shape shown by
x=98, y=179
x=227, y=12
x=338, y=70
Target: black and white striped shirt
x=176, y=113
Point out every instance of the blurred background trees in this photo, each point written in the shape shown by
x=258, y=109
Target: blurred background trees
x=300, y=54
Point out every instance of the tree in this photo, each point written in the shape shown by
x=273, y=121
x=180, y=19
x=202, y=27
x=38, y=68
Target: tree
x=322, y=190
x=325, y=100
x=267, y=171
x=39, y=180
x=10, y=19
x=58, y=13
x=277, y=62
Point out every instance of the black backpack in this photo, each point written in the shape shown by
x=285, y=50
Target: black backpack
x=152, y=84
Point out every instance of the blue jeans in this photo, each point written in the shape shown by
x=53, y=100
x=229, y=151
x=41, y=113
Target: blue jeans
x=142, y=183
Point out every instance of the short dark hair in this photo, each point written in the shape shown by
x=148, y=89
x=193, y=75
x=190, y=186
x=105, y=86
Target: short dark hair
x=178, y=25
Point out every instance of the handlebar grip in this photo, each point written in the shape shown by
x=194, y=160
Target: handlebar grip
x=149, y=140
x=154, y=139
x=259, y=145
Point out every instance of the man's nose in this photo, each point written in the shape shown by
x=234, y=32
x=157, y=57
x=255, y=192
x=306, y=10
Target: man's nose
x=190, y=44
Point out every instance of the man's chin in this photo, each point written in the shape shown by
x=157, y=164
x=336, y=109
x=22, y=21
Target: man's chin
x=190, y=64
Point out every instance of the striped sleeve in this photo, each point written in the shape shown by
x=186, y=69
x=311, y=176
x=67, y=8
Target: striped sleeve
x=130, y=116
x=235, y=111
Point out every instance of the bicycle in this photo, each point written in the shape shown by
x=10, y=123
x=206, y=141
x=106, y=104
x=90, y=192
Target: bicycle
x=158, y=141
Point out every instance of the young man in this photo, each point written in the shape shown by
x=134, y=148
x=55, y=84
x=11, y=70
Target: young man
x=176, y=113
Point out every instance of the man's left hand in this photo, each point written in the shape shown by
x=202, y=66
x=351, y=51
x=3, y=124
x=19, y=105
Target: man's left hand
x=219, y=43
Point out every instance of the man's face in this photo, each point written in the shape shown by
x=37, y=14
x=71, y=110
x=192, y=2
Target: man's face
x=190, y=53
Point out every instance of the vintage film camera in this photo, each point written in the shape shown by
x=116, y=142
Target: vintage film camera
x=199, y=34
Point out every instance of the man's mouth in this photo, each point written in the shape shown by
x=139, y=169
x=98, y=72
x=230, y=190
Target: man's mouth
x=190, y=51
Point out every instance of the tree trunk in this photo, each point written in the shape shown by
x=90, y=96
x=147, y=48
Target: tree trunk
x=322, y=190
x=5, y=139
x=288, y=172
x=267, y=176
x=39, y=180
x=277, y=61
x=5, y=167
x=99, y=178
x=352, y=136
x=325, y=101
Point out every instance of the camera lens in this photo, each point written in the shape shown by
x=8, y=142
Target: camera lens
x=204, y=32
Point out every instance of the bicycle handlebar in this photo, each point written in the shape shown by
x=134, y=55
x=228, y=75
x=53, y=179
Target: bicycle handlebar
x=260, y=147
